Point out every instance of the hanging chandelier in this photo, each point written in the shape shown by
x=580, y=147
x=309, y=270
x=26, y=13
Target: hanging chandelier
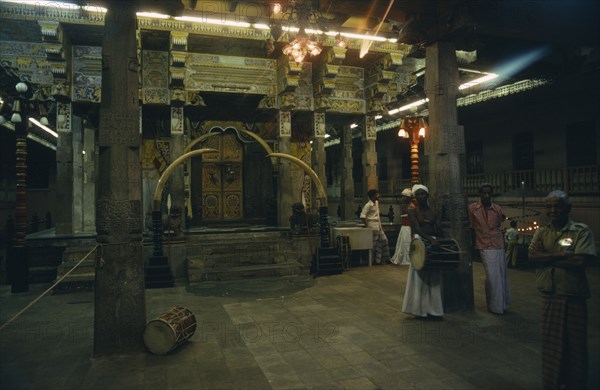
x=301, y=13
x=301, y=46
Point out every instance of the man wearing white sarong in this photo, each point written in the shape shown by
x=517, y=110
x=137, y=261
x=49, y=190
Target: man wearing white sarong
x=485, y=218
x=423, y=294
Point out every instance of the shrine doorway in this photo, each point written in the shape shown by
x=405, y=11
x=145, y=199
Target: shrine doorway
x=222, y=189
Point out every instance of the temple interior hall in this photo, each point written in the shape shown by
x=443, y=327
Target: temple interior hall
x=181, y=187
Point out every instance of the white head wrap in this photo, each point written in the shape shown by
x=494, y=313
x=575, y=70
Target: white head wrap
x=406, y=192
x=417, y=187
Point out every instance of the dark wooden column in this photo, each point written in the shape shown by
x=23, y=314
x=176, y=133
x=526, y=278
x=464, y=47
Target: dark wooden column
x=347, y=194
x=120, y=307
x=444, y=148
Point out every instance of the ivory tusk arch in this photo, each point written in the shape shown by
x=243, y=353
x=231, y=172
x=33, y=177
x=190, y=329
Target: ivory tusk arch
x=169, y=171
x=309, y=170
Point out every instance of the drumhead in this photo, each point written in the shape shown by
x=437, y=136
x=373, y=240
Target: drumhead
x=417, y=254
x=159, y=337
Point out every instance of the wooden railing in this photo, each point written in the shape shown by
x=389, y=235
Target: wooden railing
x=575, y=181
x=579, y=180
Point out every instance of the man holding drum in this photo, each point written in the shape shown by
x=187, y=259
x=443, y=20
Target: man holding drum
x=485, y=218
x=423, y=294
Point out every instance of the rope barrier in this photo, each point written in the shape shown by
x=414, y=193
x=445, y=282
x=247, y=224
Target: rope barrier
x=47, y=291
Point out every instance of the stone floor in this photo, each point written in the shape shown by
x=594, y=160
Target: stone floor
x=339, y=332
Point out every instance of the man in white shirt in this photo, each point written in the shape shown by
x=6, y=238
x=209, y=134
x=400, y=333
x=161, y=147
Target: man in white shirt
x=370, y=217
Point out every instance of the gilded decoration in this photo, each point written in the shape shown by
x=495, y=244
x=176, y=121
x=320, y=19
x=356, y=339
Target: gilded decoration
x=156, y=156
x=50, y=29
x=217, y=73
x=178, y=58
x=341, y=89
x=268, y=102
x=392, y=61
x=319, y=124
x=285, y=124
x=375, y=106
x=178, y=96
x=231, y=148
x=305, y=80
x=356, y=106
x=63, y=117
x=222, y=178
x=194, y=99
x=349, y=83
x=59, y=89
x=287, y=101
x=300, y=179
x=211, y=178
x=155, y=77
x=370, y=128
x=212, y=143
x=86, y=73
x=92, y=15
x=304, y=103
x=233, y=206
x=176, y=120
x=29, y=60
x=211, y=206
x=179, y=40
x=322, y=103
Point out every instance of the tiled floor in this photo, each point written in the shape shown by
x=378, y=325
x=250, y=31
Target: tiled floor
x=343, y=332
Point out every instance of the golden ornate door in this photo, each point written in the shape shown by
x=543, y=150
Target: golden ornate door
x=222, y=189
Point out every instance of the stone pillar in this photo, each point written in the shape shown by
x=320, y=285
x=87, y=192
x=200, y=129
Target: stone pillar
x=284, y=201
x=443, y=148
x=347, y=194
x=319, y=158
x=369, y=156
x=64, y=170
x=120, y=306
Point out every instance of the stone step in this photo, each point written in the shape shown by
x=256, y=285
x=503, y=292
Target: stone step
x=244, y=272
x=75, y=283
x=247, y=235
x=227, y=260
x=76, y=253
x=238, y=248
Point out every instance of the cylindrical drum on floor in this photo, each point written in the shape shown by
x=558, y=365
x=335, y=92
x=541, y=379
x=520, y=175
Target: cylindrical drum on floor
x=169, y=330
x=423, y=255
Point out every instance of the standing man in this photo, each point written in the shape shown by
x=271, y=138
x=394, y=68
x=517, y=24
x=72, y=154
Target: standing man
x=561, y=251
x=370, y=217
x=485, y=218
x=423, y=292
x=404, y=236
